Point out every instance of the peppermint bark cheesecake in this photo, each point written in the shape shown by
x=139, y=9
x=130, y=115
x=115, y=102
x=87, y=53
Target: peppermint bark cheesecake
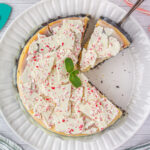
x=46, y=89
x=105, y=42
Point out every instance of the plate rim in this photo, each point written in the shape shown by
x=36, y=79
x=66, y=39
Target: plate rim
x=44, y=1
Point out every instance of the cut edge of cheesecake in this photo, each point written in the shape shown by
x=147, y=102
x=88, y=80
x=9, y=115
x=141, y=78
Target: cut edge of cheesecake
x=120, y=112
x=122, y=36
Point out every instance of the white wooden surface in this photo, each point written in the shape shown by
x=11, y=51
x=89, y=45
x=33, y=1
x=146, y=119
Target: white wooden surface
x=143, y=135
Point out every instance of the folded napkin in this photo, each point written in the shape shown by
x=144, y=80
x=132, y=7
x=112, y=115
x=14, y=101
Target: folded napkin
x=5, y=11
x=6, y=144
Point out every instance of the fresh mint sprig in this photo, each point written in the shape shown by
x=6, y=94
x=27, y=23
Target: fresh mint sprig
x=69, y=65
x=74, y=79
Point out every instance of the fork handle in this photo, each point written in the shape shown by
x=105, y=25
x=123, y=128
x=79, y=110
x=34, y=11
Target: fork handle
x=138, y=3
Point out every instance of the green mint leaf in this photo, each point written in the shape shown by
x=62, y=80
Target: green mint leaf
x=69, y=65
x=75, y=80
x=75, y=72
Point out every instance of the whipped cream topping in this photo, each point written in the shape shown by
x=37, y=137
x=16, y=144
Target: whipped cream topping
x=45, y=88
x=102, y=45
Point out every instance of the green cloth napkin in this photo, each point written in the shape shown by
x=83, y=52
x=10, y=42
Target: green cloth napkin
x=5, y=11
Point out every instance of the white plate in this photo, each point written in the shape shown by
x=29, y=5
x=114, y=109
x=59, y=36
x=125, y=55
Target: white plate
x=130, y=72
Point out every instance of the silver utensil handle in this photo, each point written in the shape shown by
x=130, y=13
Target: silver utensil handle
x=138, y=3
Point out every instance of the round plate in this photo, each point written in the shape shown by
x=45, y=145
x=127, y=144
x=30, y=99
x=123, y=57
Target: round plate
x=124, y=78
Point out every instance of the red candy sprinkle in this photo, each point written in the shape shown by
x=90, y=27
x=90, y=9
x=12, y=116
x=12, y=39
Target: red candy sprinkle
x=99, y=38
x=62, y=43
x=53, y=88
x=63, y=120
x=47, y=46
x=81, y=126
x=34, y=59
x=101, y=119
x=37, y=66
x=71, y=130
x=42, y=49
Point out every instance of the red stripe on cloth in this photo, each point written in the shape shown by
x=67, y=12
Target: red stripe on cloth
x=147, y=12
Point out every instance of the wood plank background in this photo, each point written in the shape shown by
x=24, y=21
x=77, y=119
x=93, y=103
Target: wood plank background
x=143, y=135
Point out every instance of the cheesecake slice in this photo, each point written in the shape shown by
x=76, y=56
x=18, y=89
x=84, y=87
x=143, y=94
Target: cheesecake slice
x=106, y=41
